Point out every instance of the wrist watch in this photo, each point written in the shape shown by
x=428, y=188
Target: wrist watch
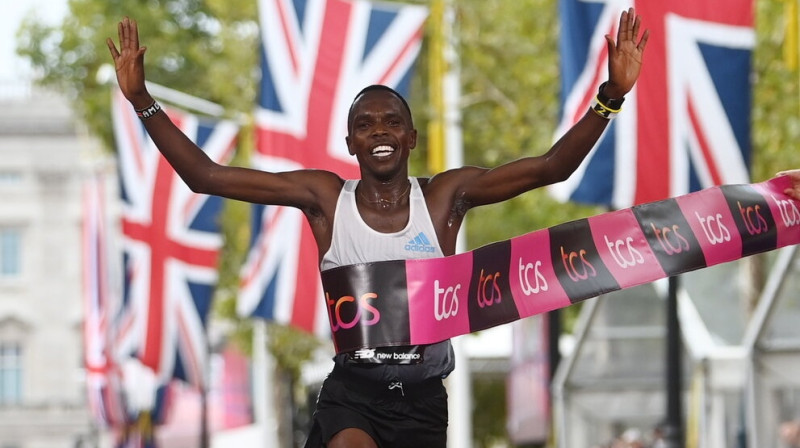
x=611, y=103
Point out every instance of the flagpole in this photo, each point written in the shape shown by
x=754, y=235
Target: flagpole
x=436, y=73
x=263, y=382
x=673, y=427
x=184, y=100
x=791, y=48
x=105, y=75
x=205, y=436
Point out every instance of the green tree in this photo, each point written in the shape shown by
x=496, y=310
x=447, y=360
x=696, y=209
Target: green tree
x=776, y=96
x=195, y=43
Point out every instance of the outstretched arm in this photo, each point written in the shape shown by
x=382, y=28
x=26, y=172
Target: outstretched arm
x=299, y=189
x=478, y=186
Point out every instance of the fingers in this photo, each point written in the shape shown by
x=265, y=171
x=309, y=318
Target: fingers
x=794, y=175
x=626, y=25
x=112, y=48
x=134, y=32
x=622, y=28
x=637, y=22
x=610, y=44
x=631, y=24
x=794, y=172
x=123, y=33
x=792, y=193
x=128, y=34
x=643, y=42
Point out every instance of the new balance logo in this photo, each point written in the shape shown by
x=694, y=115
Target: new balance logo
x=420, y=243
x=364, y=353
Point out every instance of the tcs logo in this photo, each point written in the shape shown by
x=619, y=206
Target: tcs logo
x=488, y=290
x=445, y=301
x=753, y=221
x=362, y=306
x=583, y=271
x=531, y=285
x=623, y=252
x=667, y=236
x=715, y=230
x=789, y=213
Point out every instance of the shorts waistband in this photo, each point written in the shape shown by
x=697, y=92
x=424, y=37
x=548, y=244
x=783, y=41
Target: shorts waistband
x=393, y=388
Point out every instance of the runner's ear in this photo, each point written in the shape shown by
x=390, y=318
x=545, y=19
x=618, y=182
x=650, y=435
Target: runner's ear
x=413, y=140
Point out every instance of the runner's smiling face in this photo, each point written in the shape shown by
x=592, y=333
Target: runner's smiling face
x=381, y=133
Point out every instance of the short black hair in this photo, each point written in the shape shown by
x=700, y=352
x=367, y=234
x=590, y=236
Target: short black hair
x=372, y=88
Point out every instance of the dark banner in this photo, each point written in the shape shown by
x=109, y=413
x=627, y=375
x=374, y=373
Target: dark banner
x=362, y=309
x=410, y=302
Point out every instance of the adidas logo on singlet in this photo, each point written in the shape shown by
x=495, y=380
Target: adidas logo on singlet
x=420, y=243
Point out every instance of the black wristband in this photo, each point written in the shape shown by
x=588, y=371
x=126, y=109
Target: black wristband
x=610, y=103
x=149, y=111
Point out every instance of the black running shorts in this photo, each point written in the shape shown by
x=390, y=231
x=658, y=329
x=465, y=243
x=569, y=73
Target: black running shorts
x=395, y=415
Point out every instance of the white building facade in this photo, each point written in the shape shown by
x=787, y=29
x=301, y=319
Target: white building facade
x=43, y=163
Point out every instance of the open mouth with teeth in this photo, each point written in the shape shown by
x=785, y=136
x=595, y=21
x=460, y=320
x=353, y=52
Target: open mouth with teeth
x=382, y=151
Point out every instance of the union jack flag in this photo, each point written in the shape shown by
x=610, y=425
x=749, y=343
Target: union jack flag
x=103, y=381
x=170, y=241
x=686, y=124
x=316, y=55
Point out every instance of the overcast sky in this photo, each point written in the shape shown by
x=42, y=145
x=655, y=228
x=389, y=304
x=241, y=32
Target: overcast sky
x=12, y=68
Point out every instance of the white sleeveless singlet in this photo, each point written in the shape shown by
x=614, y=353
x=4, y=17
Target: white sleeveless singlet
x=353, y=242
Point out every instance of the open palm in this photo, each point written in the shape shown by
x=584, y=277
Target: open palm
x=625, y=55
x=129, y=63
